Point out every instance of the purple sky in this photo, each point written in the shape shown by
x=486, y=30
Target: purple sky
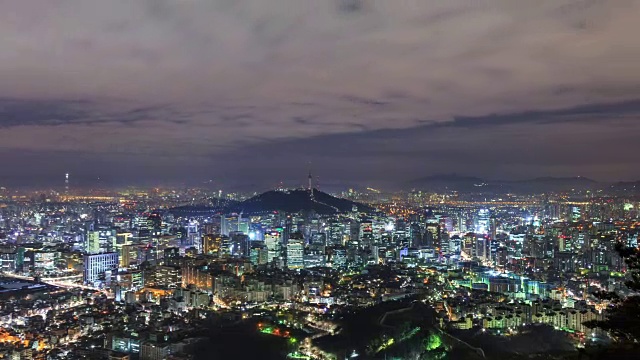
x=370, y=91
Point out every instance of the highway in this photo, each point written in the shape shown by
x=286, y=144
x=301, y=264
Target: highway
x=64, y=282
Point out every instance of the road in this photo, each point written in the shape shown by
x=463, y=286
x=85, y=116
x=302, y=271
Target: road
x=64, y=282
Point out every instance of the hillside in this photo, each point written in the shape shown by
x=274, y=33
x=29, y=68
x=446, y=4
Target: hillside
x=295, y=201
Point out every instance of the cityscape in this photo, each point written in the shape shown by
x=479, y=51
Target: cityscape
x=302, y=274
x=319, y=180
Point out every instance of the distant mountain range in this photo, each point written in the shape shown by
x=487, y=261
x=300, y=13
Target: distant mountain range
x=295, y=201
x=454, y=182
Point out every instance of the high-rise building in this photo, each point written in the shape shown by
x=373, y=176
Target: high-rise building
x=493, y=228
x=234, y=223
x=366, y=233
x=210, y=228
x=339, y=258
x=100, y=268
x=128, y=255
x=482, y=221
x=273, y=241
x=92, y=244
x=502, y=256
x=154, y=224
x=239, y=244
x=100, y=241
x=432, y=234
x=482, y=247
x=170, y=255
x=212, y=243
x=335, y=233
x=259, y=253
x=193, y=235
x=168, y=277
x=295, y=253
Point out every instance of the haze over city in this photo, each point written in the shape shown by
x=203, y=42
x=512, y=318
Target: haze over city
x=252, y=91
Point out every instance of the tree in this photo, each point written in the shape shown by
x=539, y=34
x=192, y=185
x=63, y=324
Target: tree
x=623, y=318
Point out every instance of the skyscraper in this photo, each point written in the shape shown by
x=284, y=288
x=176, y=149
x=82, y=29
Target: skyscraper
x=295, y=253
x=273, y=241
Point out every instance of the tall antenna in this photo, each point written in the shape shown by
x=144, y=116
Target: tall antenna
x=310, y=179
x=66, y=183
x=310, y=186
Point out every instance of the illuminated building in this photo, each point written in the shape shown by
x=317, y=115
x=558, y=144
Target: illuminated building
x=455, y=244
x=366, y=233
x=493, y=228
x=314, y=260
x=432, y=233
x=482, y=247
x=154, y=224
x=143, y=231
x=234, y=223
x=210, y=228
x=239, y=244
x=93, y=242
x=502, y=256
x=100, y=268
x=335, y=233
x=211, y=243
x=295, y=254
x=273, y=241
x=339, y=258
x=100, y=241
x=197, y=276
x=128, y=255
x=193, y=235
x=154, y=351
x=8, y=260
x=167, y=277
x=259, y=254
x=123, y=239
x=226, y=246
x=170, y=254
x=131, y=280
x=44, y=260
x=483, y=222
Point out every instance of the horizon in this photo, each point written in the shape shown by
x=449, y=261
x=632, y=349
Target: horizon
x=435, y=181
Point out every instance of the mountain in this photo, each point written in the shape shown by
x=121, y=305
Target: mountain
x=450, y=178
x=211, y=206
x=559, y=180
x=553, y=184
x=454, y=182
x=625, y=187
x=291, y=201
x=450, y=182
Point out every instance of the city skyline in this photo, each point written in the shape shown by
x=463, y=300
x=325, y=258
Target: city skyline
x=153, y=92
x=319, y=180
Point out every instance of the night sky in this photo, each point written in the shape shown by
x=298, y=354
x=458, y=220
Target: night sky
x=374, y=92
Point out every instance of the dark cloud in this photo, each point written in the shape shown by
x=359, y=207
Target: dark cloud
x=186, y=83
x=596, y=140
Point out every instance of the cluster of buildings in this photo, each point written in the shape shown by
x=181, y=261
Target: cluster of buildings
x=129, y=275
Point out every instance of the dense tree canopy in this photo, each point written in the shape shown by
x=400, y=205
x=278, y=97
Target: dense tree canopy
x=623, y=318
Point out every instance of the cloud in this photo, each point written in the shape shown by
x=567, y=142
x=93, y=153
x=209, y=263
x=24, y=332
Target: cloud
x=595, y=141
x=205, y=77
